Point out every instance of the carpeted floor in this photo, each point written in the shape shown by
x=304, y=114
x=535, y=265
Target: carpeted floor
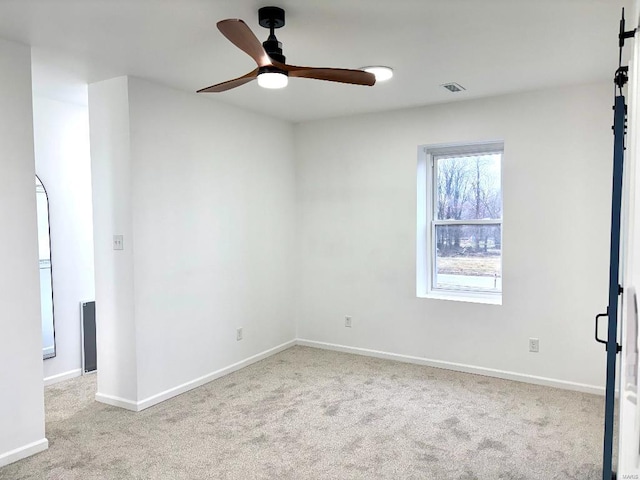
x=313, y=414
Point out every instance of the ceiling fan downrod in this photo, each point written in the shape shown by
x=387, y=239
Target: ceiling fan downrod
x=272, y=18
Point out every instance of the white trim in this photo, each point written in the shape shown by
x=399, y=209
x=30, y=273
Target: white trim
x=479, y=296
x=423, y=282
x=117, y=402
x=190, y=385
x=462, y=148
x=61, y=377
x=459, y=367
x=426, y=258
x=185, y=387
x=481, y=221
x=23, y=452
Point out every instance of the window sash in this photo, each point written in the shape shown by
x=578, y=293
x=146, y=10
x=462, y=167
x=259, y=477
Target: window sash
x=456, y=152
x=481, y=221
x=458, y=288
x=470, y=150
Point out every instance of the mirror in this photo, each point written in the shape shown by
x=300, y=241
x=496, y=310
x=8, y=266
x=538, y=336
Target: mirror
x=46, y=281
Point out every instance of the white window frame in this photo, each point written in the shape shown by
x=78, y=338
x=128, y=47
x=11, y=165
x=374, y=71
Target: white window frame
x=426, y=222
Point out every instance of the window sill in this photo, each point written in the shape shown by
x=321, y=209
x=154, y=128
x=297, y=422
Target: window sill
x=471, y=297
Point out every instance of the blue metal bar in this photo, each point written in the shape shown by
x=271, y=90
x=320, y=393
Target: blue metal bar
x=614, y=284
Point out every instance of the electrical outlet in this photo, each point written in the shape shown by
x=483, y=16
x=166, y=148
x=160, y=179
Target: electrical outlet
x=347, y=322
x=534, y=345
x=239, y=334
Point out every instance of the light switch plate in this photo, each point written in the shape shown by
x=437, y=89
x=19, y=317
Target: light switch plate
x=118, y=242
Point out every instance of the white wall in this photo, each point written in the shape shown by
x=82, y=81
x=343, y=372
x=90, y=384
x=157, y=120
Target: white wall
x=356, y=195
x=111, y=193
x=21, y=397
x=63, y=163
x=212, y=212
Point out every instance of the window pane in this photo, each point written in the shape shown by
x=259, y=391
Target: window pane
x=468, y=257
x=468, y=187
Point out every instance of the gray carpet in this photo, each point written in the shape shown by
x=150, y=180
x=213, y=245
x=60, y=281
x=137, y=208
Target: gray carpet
x=312, y=414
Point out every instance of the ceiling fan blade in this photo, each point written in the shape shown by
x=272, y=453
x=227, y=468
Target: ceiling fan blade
x=229, y=84
x=343, y=75
x=238, y=33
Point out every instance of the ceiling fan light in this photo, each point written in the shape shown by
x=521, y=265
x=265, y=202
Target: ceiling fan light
x=382, y=73
x=273, y=80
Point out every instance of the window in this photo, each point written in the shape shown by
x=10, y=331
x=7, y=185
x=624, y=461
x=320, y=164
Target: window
x=460, y=222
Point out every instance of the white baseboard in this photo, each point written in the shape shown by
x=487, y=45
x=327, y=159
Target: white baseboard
x=190, y=385
x=185, y=387
x=116, y=401
x=459, y=367
x=489, y=372
x=23, y=452
x=60, y=377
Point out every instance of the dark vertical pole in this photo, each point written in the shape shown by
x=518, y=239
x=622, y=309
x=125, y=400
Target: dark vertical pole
x=614, y=285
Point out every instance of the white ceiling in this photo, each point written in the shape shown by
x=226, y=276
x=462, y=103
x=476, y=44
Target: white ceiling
x=488, y=46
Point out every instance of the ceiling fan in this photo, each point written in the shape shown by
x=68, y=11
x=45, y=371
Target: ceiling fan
x=272, y=71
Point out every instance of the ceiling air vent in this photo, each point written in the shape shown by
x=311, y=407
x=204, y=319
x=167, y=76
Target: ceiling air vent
x=453, y=87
